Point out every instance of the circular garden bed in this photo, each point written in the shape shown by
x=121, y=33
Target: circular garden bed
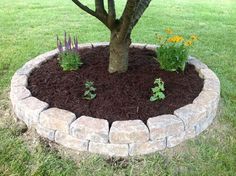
x=120, y=121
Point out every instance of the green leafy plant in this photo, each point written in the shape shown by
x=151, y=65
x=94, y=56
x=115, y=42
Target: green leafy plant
x=158, y=90
x=172, y=54
x=69, y=58
x=89, y=93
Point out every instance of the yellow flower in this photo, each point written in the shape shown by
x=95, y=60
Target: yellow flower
x=175, y=39
x=169, y=31
x=194, y=37
x=188, y=43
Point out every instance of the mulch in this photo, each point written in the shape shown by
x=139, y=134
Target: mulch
x=123, y=96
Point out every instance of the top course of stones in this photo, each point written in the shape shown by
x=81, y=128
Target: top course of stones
x=123, y=138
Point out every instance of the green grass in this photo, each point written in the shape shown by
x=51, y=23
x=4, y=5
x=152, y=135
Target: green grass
x=28, y=28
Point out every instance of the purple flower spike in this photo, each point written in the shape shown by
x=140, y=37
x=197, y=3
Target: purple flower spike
x=76, y=43
x=57, y=41
x=60, y=47
x=69, y=43
x=65, y=40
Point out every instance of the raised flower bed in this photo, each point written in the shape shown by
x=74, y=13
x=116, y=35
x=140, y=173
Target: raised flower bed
x=122, y=137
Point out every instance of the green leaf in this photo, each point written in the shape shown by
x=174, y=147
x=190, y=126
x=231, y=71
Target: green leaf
x=87, y=92
x=153, y=98
x=161, y=95
x=92, y=89
x=93, y=96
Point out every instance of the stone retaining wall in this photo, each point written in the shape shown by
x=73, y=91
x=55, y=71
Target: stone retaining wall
x=124, y=138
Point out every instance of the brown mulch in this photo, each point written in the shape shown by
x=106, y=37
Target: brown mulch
x=122, y=96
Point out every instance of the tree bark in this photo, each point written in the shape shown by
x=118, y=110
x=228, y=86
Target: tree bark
x=120, y=28
x=119, y=49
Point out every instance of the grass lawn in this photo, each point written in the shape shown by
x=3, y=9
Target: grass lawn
x=28, y=28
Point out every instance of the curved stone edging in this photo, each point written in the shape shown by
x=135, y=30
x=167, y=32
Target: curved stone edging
x=124, y=138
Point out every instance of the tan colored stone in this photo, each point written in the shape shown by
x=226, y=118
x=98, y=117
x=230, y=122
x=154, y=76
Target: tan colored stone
x=90, y=128
x=45, y=132
x=125, y=132
x=208, y=74
x=151, y=47
x=164, y=125
x=71, y=142
x=209, y=100
x=50, y=54
x=57, y=119
x=36, y=62
x=147, y=147
x=197, y=63
x=19, y=93
x=102, y=44
x=29, y=109
x=201, y=126
x=85, y=46
x=25, y=70
x=190, y=132
x=173, y=141
x=138, y=45
x=212, y=85
x=120, y=150
x=191, y=114
x=19, y=80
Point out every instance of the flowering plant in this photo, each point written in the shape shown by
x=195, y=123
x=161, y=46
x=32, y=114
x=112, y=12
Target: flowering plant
x=172, y=54
x=68, y=57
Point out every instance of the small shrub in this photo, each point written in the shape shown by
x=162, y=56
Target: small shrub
x=89, y=93
x=173, y=52
x=69, y=58
x=158, y=90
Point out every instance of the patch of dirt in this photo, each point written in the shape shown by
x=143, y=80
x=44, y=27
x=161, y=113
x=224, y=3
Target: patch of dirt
x=122, y=96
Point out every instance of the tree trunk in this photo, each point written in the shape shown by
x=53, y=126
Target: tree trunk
x=118, y=59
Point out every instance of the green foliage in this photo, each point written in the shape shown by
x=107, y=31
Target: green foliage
x=172, y=57
x=173, y=51
x=211, y=153
x=89, y=93
x=158, y=90
x=69, y=60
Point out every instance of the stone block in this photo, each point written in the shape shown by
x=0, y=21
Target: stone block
x=208, y=74
x=191, y=114
x=57, y=119
x=164, y=125
x=50, y=54
x=71, y=142
x=103, y=44
x=173, y=141
x=19, y=93
x=212, y=85
x=131, y=131
x=29, y=109
x=147, y=147
x=190, y=132
x=36, y=62
x=85, y=46
x=151, y=47
x=208, y=100
x=19, y=80
x=45, y=132
x=138, y=45
x=119, y=150
x=88, y=128
x=197, y=63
